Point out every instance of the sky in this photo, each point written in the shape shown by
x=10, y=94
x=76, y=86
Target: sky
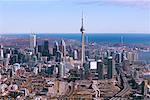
x=64, y=16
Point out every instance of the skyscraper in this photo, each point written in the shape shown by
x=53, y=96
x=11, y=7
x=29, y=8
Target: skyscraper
x=75, y=55
x=83, y=49
x=32, y=41
x=45, y=51
x=100, y=69
x=63, y=48
x=56, y=48
x=61, y=70
x=118, y=58
x=110, y=70
x=1, y=52
x=123, y=56
x=59, y=56
x=40, y=48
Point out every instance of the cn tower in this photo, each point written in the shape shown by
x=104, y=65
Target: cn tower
x=83, y=49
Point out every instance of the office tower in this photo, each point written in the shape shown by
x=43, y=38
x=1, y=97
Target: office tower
x=79, y=53
x=135, y=55
x=1, y=62
x=118, y=58
x=15, y=56
x=63, y=48
x=36, y=50
x=0, y=76
x=70, y=50
x=123, y=56
x=145, y=88
x=21, y=58
x=8, y=56
x=61, y=70
x=59, y=56
x=39, y=67
x=46, y=44
x=16, y=51
x=86, y=66
x=88, y=53
x=108, y=53
x=35, y=70
x=142, y=87
x=14, y=59
x=129, y=56
x=83, y=49
x=112, y=53
x=132, y=56
x=75, y=55
x=1, y=52
x=45, y=51
x=82, y=72
x=100, y=69
x=34, y=58
x=110, y=69
x=56, y=48
x=40, y=49
x=50, y=69
x=104, y=54
x=32, y=41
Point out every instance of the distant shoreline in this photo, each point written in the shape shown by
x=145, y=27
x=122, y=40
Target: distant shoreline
x=95, y=37
x=76, y=33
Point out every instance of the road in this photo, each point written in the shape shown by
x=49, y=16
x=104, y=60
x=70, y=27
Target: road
x=96, y=89
x=124, y=91
x=68, y=93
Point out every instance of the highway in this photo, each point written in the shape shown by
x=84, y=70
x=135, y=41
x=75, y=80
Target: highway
x=68, y=93
x=126, y=88
x=96, y=89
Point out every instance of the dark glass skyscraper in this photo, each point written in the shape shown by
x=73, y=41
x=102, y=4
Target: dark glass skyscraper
x=45, y=48
x=100, y=69
x=110, y=64
x=56, y=48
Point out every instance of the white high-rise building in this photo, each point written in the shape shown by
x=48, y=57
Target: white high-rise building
x=32, y=41
x=0, y=76
x=75, y=54
x=35, y=70
x=118, y=58
x=132, y=56
x=1, y=52
x=63, y=48
x=61, y=70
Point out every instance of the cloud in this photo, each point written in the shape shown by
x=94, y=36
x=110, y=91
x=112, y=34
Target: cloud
x=140, y=3
x=30, y=0
x=131, y=3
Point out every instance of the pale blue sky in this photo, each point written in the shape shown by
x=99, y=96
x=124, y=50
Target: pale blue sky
x=64, y=16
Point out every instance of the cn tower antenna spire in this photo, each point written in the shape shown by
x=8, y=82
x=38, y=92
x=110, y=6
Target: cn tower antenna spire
x=82, y=19
x=83, y=49
x=82, y=26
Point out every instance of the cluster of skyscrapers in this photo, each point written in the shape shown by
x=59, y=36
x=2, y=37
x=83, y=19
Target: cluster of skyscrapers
x=39, y=69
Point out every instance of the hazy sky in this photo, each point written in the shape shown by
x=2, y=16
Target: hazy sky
x=64, y=16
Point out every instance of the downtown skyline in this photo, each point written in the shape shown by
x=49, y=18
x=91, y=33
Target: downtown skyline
x=64, y=16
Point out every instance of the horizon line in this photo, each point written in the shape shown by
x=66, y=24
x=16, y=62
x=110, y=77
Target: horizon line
x=2, y=33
